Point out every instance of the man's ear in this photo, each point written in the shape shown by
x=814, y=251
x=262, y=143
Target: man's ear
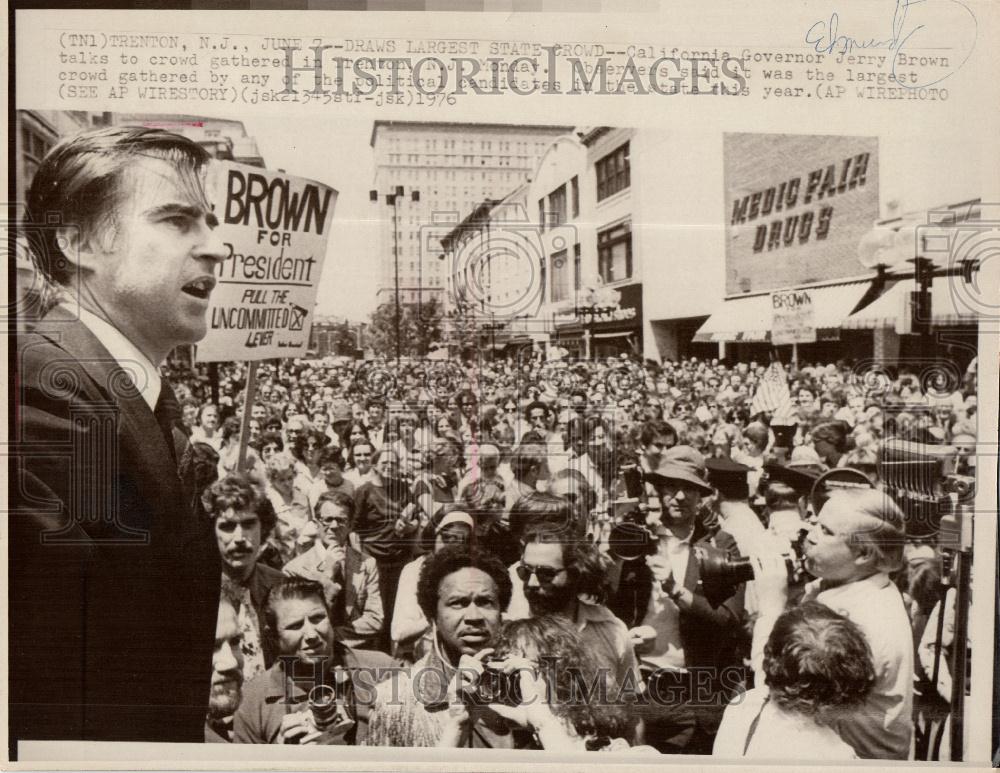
x=865, y=554
x=80, y=250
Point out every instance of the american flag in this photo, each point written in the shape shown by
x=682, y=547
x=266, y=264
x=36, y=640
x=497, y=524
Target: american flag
x=772, y=393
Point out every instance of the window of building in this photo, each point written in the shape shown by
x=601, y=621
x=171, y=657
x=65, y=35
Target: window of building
x=541, y=275
x=541, y=214
x=577, y=268
x=557, y=206
x=34, y=145
x=613, y=173
x=574, y=187
x=561, y=276
x=614, y=253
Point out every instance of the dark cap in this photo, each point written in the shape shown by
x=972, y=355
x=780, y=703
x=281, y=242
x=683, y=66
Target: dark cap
x=801, y=479
x=728, y=477
x=832, y=480
x=783, y=434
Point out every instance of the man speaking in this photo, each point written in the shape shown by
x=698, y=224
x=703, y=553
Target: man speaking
x=114, y=584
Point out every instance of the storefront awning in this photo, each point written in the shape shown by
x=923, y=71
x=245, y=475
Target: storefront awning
x=621, y=334
x=947, y=306
x=748, y=318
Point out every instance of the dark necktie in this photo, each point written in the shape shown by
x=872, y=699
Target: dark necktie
x=167, y=413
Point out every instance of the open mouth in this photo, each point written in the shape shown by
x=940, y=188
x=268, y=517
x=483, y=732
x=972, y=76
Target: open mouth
x=200, y=288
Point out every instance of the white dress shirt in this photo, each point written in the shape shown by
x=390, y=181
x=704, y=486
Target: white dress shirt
x=145, y=375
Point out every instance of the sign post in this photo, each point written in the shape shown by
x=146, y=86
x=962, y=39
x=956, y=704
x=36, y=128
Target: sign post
x=275, y=228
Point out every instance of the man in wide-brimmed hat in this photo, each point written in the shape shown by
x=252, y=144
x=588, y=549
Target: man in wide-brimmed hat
x=686, y=632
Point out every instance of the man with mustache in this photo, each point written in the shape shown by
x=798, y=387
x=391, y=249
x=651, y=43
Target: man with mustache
x=227, y=674
x=559, y=574
x=106, y=552
x=242, y=519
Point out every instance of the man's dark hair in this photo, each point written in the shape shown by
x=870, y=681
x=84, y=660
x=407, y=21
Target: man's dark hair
x=331, y=455
x=80, y=182
x=230, y=428
x=452, y=559
x=363, y=442
x=340, y=499
x=201, y=466
x=267, y=438
x=586, y=564
x=817, y=662
x=540, y=508
x=237, y=491
x=653, y=429
x=834, y=432
x=303, y=438
x=535, y=405
x=780, y=496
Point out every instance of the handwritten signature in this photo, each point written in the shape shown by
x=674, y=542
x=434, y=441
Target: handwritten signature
x=823, y=36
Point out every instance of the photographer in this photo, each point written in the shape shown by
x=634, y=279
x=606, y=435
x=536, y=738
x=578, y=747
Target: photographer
x=551, y=663
x=683, y=629
x=280, y=706
x=857, y=542
x=462, y=593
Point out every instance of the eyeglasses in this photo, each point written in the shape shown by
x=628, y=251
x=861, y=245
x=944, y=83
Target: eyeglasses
x=545, y=574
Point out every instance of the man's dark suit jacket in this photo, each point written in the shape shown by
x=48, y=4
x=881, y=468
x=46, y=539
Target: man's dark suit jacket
x=711, y=630
x=114, y=583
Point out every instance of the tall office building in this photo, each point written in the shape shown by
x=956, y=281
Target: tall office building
x=454, y=167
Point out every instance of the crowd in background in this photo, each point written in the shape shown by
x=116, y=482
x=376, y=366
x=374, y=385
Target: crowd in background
x=366, y=477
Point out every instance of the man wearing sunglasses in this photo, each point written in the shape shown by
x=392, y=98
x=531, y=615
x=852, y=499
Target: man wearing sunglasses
x=559, y=574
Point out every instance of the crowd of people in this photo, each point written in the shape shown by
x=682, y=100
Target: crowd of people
x=695, y=557
x=445, y=527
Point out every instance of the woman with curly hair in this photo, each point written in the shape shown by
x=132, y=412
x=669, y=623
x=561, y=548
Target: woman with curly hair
x=817, y=669
x=556, y=677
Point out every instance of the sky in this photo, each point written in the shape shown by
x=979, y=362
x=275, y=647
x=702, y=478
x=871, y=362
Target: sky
x=335, y=153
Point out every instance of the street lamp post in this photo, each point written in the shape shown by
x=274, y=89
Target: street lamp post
x=392, y=199
x=595, y=302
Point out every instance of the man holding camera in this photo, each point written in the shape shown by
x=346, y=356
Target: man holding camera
x=857, y=542
x=685, y=628
x=462, y=593
x=319, y=691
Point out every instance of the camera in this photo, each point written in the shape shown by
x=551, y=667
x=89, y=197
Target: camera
x=493, y=686
x=722, y=574
x=632, y=538
x=323, y=705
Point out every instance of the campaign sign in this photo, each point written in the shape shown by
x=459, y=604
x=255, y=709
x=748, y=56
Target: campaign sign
x=275, y=228
x=793, y=318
